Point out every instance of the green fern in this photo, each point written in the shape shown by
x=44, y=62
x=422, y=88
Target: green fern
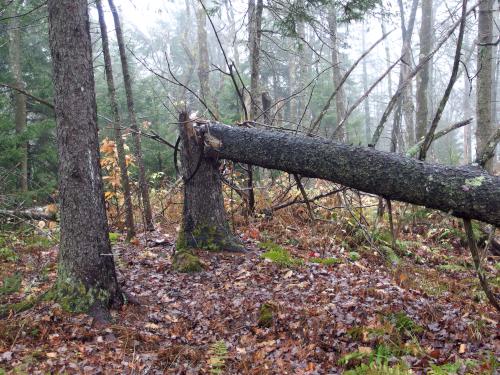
x=218, y=356
x=378, y=369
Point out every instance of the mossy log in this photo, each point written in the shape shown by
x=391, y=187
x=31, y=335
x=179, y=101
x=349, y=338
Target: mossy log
x=466, y=192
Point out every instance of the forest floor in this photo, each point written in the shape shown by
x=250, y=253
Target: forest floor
x=295, y=303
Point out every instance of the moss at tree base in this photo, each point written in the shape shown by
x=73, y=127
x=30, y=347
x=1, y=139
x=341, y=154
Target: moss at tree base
x=186, y=262
x=208, y=237
x=75, y=297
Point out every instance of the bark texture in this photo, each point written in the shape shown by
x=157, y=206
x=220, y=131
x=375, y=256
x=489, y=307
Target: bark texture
x=204, y=61
x=484, y=127
x=86, y=279
x=462, y=191
x=204, y=219
x=143, y=183
x=117, y=123
x=340, y=99
x=15, y=53
x=423, y=77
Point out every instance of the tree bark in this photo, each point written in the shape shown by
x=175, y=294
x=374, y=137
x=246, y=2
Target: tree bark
x=204, y=61
x=366, y=104
x=340, y=99
x=117, y=123
x=484, y=127
x=86, y=277
x=204, y=220
x=143, y=182
x=461, y=191
x=15, y=52
x=423, y=76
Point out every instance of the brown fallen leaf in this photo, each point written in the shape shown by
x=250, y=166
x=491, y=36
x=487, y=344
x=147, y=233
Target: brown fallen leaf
x=462, y=348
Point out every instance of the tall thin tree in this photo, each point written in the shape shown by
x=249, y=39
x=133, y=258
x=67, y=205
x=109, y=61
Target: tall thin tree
x=117, y=124
x=484, y=128
x=423, y=77
x=15, y=62
x=143, y=182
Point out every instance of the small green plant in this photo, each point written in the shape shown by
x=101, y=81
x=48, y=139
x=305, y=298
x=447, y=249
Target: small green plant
x=375, y=369
x=354, y=256
x=446, y=369
x=8, y=255
x=266, y=314
x=404, y=324
x=11, y=284
x=325, y=261
x=114, y=237
x=348, y=358
x=377, y=361
x=279, y=255
x=218, y=356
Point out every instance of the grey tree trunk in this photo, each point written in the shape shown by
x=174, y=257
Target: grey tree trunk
x=467, y=128
x=143, y=182
x=340, y=99
x=117, y=123
x=423, y=77
x=484, y=128
x=86, y=278
x=15, y=51
x=254, y=37
x=204, y=61
x=461, y=191
x=366, y=104
x=255, y=32
x=406, y=67
x=204, y=222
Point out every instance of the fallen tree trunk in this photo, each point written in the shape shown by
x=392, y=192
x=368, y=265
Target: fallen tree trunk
x=465, y=192
x=30, y=214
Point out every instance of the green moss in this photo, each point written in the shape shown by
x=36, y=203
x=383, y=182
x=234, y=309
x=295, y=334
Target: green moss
x=25, y=304
x=474, y=182
x=279, y=255
x=354, y=256
x=114, y=237
x=74, y=296
x=8, y=255
x=11, y=284
x=186, y=262
x=266, y=314
x=325, y=261
x=207, y=237
x=389, y=254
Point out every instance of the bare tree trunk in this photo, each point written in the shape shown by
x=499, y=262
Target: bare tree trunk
x=429, y=137
x=254, y=37
x=232, y=32
x=340, y=99
x=423, y=76
x=484, y=127
x=406, y=67
x=204, y=60
x=15, y=51
x=467, y=128
x=204, y=220
x=389, y=88
x=117, y=123
x=86, y=277
x=366, y=104
x=143, y=182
